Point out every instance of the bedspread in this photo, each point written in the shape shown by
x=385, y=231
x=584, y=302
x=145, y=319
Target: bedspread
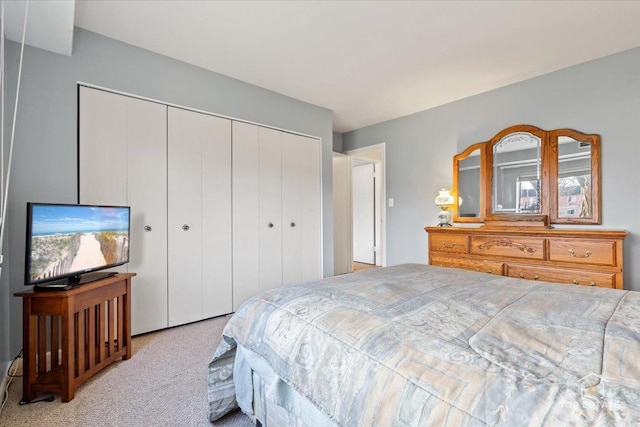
x=415, y=345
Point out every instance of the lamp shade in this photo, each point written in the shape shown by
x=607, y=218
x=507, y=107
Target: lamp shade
x=444, y=198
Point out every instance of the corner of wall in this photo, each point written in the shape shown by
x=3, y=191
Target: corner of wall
x=337, y=142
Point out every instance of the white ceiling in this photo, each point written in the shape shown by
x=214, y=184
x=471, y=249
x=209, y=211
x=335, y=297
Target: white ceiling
x=371, y=61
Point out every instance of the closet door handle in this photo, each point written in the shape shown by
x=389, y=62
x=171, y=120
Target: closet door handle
x=293, y=224
x=147, y=228
x=270, y=225
x=185, y=227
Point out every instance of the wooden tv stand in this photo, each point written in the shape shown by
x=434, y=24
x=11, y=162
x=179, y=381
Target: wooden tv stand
x=70, y=335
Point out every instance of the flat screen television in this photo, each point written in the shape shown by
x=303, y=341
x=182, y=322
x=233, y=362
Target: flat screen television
x=67, y=243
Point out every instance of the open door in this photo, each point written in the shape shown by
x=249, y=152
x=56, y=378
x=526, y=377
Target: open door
x=363, y=209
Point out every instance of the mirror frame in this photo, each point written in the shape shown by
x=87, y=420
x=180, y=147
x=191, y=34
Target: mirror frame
x=456, y=181
x=594, y=140
x=544, y=185
x=548, y=176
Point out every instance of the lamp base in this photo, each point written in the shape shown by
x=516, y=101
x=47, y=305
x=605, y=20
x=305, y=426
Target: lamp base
x=444, y=218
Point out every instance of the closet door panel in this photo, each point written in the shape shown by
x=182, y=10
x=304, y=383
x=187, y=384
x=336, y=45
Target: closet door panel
x=246, y=218
x=312, y=211
x=292, y=221
x=186, y=132
x=301, y=201
x=122, y=161
x=270, y=203
x=147, y=195
x=102, y=148
x=217, y=285
x=199, y=188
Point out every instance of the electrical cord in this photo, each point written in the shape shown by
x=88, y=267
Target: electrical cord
x=48, y=398
x=5, y=392
x=9, y=374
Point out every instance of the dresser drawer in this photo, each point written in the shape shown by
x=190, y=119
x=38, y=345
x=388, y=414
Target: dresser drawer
x=509, y=246
x=484, y=266
x=600, y=252
x=449, y=243
x=563, y=275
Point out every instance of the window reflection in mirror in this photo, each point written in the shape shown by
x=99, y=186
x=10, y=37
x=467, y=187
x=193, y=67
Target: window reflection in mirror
x=516, y=174
x=469, y=185
x=574, y=178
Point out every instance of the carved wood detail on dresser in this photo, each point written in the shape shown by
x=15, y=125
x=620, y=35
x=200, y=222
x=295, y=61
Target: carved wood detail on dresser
x=582, y=257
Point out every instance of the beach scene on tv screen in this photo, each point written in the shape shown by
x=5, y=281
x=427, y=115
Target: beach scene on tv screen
x=70, y=239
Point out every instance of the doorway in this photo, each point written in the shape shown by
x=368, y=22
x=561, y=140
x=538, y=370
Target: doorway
x=361, y=176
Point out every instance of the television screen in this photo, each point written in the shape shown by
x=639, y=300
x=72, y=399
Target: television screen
x=65, y=241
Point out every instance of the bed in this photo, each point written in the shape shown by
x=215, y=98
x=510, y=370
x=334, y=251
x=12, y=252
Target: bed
x=415, y=345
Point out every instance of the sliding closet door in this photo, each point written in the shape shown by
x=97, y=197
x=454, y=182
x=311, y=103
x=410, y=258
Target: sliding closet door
x=301, y=233
x=199, y=219
x=122, y=161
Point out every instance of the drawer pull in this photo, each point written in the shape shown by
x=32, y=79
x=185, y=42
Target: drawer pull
x=489, y=271
x=521, y=276
x=535, y=277
x=477, y=268
x=587, y=254
x=592, y=284
x=444, y=245
x=575, y=282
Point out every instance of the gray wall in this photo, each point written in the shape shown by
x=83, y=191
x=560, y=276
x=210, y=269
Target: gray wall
x=337, y=142
x=601, y=96
x=45, y=159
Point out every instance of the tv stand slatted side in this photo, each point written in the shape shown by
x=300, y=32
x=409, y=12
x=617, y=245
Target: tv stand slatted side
x=70, y=335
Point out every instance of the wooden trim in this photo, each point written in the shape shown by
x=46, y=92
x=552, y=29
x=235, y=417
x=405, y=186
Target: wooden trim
x=596, y=206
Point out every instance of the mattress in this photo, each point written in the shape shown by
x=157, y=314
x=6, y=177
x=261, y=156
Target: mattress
x=415, y=345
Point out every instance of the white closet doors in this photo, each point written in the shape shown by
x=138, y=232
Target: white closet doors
x=209, y=230
x=199, y=218
x=247, y=227
x=301, y=233
x=269, y=207
x=276, y=210
x=122, y=161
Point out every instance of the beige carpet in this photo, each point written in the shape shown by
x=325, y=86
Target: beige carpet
x=164, y=383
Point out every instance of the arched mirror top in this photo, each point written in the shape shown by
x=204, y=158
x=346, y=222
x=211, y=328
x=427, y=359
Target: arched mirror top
x=527, y=174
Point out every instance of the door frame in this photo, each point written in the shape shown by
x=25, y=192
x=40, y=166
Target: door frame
x=377, y=152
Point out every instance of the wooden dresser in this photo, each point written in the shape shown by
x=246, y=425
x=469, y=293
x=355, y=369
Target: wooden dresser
x=580, y=257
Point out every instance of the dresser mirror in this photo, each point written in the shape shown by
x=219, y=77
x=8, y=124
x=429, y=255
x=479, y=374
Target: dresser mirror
x=576, y=166
x=517, y=162
x=467, y=179
x=525, y=173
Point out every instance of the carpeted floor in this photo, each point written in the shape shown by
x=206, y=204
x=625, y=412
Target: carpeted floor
x=163, y=384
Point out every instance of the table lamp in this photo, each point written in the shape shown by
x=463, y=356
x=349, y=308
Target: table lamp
x=444, y=200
